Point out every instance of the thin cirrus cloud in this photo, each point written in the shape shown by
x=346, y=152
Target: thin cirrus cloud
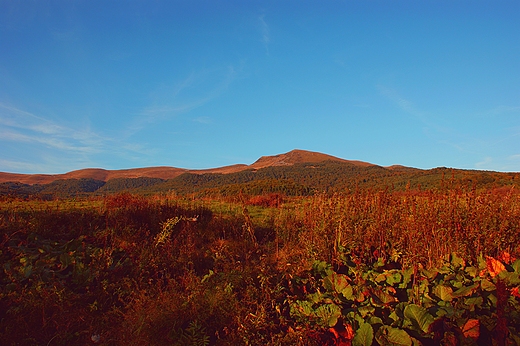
x=17, y=125
x=17, y=166
x=501, y=132
x=430, y=122
x=184, y=96
x=50, y=144
x=80, y=145
x=401, y=102
x=265, y=32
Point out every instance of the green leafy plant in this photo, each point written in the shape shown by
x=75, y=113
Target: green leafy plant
x=411, y=306
x=194, y=335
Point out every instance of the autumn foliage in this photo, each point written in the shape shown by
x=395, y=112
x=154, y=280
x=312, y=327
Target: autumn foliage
x=363, y=267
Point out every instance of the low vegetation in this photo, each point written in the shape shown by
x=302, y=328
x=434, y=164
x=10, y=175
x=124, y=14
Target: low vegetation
x=368, y=266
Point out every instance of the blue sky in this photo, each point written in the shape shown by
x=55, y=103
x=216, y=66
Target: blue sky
x=202, y=84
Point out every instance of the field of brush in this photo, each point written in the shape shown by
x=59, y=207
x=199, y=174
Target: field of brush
x=367, y=267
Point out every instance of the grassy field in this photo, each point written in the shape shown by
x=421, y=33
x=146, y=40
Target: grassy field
x=365, y=267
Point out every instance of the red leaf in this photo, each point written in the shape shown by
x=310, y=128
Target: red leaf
x=494, y=266
x=506, y=257
x=343, y=334
x=514, y=291
x=471, y=329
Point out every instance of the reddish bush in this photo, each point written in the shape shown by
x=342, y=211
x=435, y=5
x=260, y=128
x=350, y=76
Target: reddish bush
x=273, y=200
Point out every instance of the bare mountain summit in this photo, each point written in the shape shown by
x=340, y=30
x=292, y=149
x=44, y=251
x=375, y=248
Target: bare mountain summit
x=299, y=156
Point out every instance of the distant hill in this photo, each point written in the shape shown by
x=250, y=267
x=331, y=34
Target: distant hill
x=297, y=172
x=94, y=173
x=293, y=157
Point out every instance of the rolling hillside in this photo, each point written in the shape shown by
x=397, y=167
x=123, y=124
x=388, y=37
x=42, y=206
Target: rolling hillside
x=297, y=172
x=293, y=157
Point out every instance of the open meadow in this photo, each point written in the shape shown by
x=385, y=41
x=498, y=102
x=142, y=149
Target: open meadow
x=367, y=267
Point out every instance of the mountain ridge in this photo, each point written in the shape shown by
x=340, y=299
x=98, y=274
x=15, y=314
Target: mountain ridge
x=295, y=173
x=296, y=156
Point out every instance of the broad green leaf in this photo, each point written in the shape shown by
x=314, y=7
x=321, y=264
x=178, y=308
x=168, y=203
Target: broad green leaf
x=393, y=315
x=381, y=297
x=407, y=277
x=447, y=269
x=394, y=279
x=465, y=291
x=492, y=299
x=364, y=335
x=474, y=301
x=381, y=277
x=420, y=318
x=430, y=274
x=328, y=314
x=302, y=308
x=481, y=262
x=365, y=310
x=380, y=263
x=457, y=283
x=328, y=284
x=387, y=335
x=510, y=278
x=348, y=293
x=487, y=285
x=456, y=261
x=445, y=293
x=447, y=310
x=472, y=271
x=338, y=283
x=357, y=317
x=321, y=268
x=315, y=297
x=373, y=320
x=516, y=266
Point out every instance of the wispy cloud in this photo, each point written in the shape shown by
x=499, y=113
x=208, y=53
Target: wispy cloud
x=431, y=127
x=19, y=166
x=505, y=110
x=194, y=91
x=47, y=145
x=485, y=163
x=17, y=125
x=203, y=120
x=265, y=32
x=431, y=122
x=50, y=142
x=401, y=102
x=497, y=131
x=500, y=163
x=40, y=144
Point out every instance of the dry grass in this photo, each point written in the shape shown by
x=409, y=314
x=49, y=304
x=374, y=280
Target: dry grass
x=95, y=269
